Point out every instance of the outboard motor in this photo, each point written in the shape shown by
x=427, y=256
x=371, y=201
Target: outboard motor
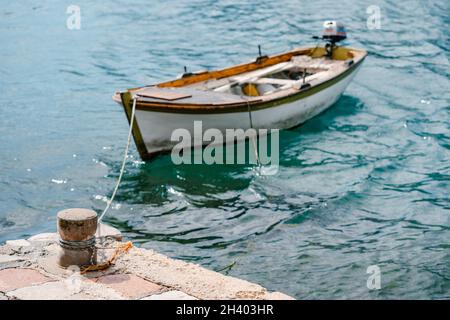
x=333, y=32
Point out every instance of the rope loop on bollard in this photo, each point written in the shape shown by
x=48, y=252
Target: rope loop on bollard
x=77, y=245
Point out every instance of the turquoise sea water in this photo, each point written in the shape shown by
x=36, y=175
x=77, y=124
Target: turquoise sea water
x=365, y=183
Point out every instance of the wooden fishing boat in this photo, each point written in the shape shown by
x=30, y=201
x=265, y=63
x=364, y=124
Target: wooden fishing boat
x=277, y=92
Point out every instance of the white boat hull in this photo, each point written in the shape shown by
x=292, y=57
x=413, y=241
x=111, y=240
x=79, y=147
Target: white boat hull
x=157, y=127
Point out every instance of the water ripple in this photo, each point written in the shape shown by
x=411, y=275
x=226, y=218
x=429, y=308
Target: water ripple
x=364, y=183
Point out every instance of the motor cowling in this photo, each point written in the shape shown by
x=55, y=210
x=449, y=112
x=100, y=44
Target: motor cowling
x=333, y=31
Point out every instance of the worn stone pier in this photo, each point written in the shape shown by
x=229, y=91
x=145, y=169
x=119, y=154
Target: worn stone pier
x=30, y=269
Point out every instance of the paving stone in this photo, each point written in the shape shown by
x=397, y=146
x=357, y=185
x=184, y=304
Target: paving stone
x=5, y=258
x=129, y=285
x=44, y=237
x=15, y=278
x=6, y=250
x=47, y=291
x=104, y=230
x=18, y=243
x=188, y=277
x=65, y=290
x=170, y=295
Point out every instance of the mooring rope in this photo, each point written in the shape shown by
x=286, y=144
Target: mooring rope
x=255, y=148
x=77, y=245
x=120, y=250
x=108, y=205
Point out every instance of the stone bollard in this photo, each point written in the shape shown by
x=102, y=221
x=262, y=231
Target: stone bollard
x=76, y=228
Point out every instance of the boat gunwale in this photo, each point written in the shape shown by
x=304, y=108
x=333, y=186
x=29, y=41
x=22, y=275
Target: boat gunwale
x=243, y=106
x=222, y=73
x=256, y=104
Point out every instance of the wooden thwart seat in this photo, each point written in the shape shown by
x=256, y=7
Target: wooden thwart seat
x=186, y=96
x=274, y=81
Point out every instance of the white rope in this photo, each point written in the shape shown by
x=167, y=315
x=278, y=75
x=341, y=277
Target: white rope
x=255, y=148
x=123, y=163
